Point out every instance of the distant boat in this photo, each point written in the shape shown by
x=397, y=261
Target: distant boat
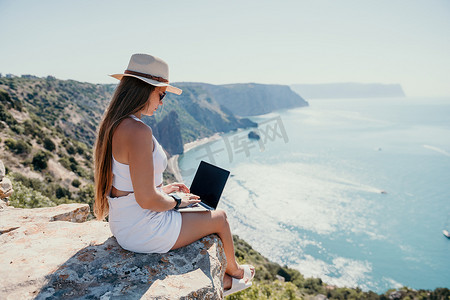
x=446, y=233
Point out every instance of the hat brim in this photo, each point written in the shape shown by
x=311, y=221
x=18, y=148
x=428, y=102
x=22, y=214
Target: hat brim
x=170, y=88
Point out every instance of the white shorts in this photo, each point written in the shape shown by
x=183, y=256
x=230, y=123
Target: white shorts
x=142, y=230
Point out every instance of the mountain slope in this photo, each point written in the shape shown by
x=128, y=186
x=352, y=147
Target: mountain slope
x=72, y=107
x=251, y=99
x=42, y=160
x=198, y=113
x=48, y=129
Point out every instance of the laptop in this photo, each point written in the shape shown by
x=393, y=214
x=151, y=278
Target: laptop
x=209, y=182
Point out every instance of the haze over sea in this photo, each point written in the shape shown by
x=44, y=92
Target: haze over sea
x=311, y=196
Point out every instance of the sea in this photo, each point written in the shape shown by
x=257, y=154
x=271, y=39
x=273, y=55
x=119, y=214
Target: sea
x=353, y=191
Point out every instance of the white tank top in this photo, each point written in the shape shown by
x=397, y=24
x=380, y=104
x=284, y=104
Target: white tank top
x=121, y=172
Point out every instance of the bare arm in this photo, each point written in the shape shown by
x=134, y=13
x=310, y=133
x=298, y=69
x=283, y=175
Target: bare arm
x=138, y=145
x=140, y=158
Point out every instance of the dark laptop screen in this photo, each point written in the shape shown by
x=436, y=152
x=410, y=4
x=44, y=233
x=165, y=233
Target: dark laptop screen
x=208, y=183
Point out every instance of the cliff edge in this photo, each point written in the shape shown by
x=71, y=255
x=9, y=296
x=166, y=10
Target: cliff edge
x=54, y=252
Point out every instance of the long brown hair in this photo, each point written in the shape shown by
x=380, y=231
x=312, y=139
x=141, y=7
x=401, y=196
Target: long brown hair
x=131, y=96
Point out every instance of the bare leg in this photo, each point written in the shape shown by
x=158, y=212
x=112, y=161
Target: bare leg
x=199, y=224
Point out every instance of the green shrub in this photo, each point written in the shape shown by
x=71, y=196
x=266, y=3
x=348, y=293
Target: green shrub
x=74, y=167
x=18, y=147
x=88, y=156
x=40, y=160
x=71, y=164
x=70, y=149
x=25, y=197
x=62, y=200
x=76, y=183
x=36, y=120
x=17, y=128
x=49, y=145
x=4, y=96
x=267, y=291
x=32, y=128
x=77, y=169
x=86, y=195
x=65, y=162
x=29, y=128
x=32, y=183
x=62, y=192
x=80, y=149
x=313, y=285
x=7, y=117
x=9, y=102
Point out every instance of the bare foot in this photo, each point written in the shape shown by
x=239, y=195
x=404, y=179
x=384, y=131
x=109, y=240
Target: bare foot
x=239, y=273
x=227, y=282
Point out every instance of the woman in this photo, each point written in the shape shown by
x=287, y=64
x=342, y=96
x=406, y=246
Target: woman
x=129, y=163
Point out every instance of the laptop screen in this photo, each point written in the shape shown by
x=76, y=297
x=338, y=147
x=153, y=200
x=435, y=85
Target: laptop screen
x=209, y=182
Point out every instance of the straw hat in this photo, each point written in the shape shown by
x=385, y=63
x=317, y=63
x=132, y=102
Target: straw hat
x=150, y=69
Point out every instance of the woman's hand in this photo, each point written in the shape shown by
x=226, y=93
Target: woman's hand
x=175, y=187
x=188, y=199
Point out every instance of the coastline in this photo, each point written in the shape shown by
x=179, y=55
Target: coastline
x=172, y=162
x=198, y=142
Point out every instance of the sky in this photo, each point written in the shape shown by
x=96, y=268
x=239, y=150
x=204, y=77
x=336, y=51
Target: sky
x=219, y=42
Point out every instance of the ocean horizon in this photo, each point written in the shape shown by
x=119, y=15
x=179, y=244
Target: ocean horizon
x=352, y=191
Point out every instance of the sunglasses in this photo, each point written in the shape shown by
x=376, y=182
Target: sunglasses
x=161, y=96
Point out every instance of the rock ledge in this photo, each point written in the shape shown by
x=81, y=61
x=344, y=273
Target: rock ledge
x=45, y=258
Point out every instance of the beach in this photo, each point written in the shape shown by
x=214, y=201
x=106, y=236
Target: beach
x=198, y=142
x=172, y=162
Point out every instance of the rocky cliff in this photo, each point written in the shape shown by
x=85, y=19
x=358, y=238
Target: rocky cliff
x=198, y=115
x=168, y=132
x=54, y=253
x=251, y=99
